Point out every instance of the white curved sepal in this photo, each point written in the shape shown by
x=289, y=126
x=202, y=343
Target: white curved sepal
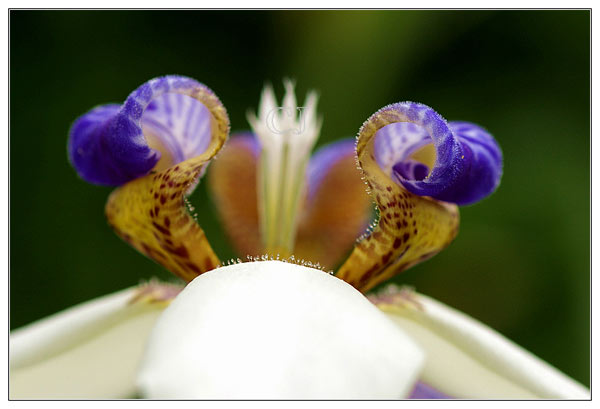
x=275, y=330
x=467, y=359
x=89, y=351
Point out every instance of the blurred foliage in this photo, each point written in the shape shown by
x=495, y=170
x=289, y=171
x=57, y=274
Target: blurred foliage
x=522, y=260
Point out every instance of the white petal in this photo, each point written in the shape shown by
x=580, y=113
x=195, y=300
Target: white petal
x=467, y=359
x=289, y=104
x=268, y=102
x=89, y=351
x=274, y=330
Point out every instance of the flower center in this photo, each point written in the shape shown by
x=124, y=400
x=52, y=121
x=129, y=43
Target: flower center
x=287, y=135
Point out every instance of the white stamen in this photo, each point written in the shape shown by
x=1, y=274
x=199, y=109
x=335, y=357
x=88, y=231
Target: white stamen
x=287, y=135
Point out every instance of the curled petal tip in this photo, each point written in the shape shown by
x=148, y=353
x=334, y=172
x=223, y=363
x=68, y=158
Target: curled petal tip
x=98, y=158
x=467, y=162
x=418, y=167
x=155, y=146
x=165, y=121
x=483, y=163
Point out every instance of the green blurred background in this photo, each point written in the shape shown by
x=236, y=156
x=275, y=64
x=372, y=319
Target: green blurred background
x=521, y=262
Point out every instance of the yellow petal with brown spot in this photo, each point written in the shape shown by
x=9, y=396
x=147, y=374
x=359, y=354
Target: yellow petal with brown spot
x=150, y=212
x=410, y=228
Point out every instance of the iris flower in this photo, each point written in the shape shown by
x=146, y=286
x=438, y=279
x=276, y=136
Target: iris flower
x=278, y=323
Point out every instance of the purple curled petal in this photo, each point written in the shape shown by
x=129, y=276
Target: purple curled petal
x=112, y=144
x=97, y=157
x=468, y=163
x=483, y=163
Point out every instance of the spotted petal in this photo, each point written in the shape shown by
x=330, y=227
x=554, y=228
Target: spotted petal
x=416, y=188
x=158, y=143
x=410, y=229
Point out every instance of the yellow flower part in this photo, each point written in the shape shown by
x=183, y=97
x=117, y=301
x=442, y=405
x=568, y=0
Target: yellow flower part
x=150, y=212
x=410, y=228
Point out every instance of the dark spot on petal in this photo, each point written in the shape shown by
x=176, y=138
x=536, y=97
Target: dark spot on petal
x=181, y=251
x=208, y=264
x=161, y=229
x=194, y=267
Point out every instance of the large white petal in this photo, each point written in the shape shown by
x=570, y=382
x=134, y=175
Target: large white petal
x=467, y=359
x=274, y=330
x=89, y=351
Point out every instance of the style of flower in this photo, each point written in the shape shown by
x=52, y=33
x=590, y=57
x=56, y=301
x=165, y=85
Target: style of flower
x=277, y=325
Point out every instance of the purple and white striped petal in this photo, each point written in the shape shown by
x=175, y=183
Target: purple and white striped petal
x=395, y=143
x=162, y=123
x=180, y=122
x=468, y=162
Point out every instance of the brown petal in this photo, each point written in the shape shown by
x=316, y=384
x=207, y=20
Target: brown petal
x=337, y=209
x=232, y=184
